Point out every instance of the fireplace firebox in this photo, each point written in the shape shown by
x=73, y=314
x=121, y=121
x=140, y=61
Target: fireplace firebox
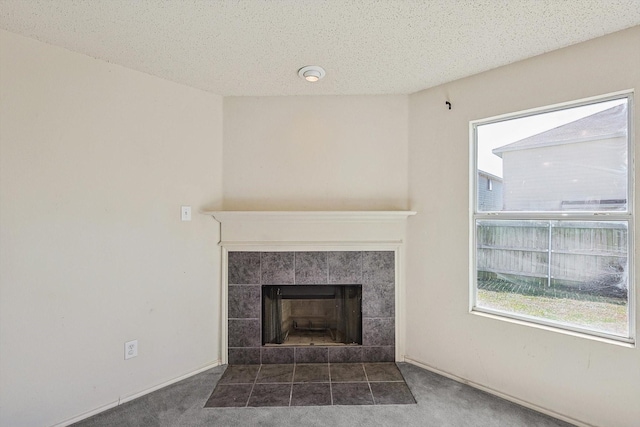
x=299, y=315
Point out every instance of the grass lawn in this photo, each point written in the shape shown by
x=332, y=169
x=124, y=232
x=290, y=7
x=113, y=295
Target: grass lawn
x=598, y=314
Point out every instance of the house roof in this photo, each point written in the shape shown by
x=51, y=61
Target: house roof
x=608, y=123
x=489, y=175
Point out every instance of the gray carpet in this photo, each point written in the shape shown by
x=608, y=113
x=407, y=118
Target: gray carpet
x=441, y=402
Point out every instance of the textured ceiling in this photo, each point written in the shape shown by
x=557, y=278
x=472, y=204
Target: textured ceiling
x=255, y=47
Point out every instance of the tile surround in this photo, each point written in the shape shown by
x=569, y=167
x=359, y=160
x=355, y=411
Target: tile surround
x=345, y=267
x=277, y=354
x=346, y=354
x=311, y=268
x=244, y=301
x=244, y=268
x=378, y=331
x=247, y=356
x=244, y=333
x=378, y=354
x=312, y=354
x=277, y=268
x=248, y=271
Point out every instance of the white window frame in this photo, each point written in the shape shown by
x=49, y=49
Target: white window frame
x=624, y=216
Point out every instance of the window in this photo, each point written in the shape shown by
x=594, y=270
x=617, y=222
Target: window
x=552, y=244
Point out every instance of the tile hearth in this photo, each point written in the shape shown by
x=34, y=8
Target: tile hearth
x=310, y=385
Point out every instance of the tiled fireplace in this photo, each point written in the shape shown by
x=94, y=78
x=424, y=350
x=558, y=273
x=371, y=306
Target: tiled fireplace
x=280, y=251
x=248, y=272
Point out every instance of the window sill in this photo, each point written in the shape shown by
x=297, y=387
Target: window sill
x=622, y=342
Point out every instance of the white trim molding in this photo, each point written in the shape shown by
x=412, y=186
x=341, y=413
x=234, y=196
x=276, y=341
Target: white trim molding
x=313, y=216
x=131, y=397
x=321, y=227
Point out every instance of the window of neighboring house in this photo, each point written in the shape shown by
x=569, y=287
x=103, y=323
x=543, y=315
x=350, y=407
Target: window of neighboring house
x=554, y=246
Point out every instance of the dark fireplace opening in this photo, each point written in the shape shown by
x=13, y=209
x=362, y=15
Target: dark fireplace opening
x=311, y=315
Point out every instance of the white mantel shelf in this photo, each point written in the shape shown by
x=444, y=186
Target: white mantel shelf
x=315, y=216
x=278, y=227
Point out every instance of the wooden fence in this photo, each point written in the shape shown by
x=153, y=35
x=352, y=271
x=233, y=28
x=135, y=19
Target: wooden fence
x=567, y=253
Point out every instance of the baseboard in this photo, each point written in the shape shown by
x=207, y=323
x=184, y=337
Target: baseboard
x=497, y=393
x=135, y=395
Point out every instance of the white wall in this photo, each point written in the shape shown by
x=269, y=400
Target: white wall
x=594, y=382
x=95, y=162
x=322, y=152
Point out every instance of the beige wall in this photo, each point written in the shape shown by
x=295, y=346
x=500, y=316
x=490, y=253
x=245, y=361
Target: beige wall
x=323, y=152
x=594, y=382
x=96, y=161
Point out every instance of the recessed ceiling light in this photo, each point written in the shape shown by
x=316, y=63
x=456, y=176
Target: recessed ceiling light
x=311, y=73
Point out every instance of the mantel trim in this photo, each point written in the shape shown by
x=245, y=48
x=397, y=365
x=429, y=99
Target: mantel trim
x=313, y=231
x=311, y=216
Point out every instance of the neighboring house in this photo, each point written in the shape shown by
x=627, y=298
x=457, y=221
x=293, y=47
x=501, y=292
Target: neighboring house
x=540, y=172
x=489, y=192
x=577, y=166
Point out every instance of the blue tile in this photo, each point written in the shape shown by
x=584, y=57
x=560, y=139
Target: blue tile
x=244, y=268
x=378, y=267
x=378, y=354
x=311, y=268
x=229, y=396
x=345, y=267
x=244, y=301
x=311, y=394
x=345, y=354
x=270, y=395
x=312, y=354
x=244, y=356
x=272, y=355
x=378, y=332
x=278, y=268
x=378, y=300
x=244, y=333
x=391, y=393
x=351, y=394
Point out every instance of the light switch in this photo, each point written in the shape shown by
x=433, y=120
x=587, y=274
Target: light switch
x=185, y=212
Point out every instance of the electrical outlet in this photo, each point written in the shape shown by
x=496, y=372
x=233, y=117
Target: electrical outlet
x=185, y=213
x=130, y=349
